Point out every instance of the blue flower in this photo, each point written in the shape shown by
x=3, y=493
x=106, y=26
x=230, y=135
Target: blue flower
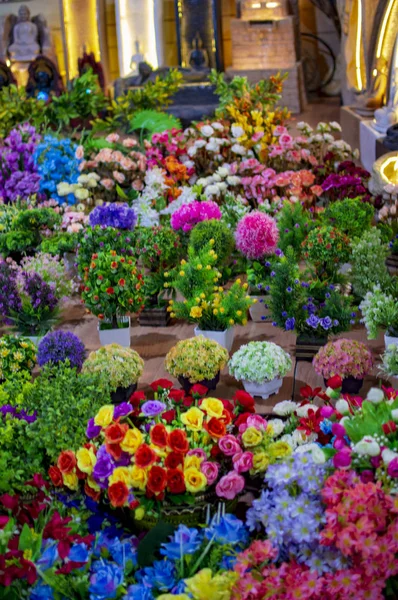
x=41, y=591
x=326, y=323
x=138, y=592
x=161, y=575
x=230, y=530
x=267, y=263
x=184, y=541
x=289, y=289
x=336, y=323
x=122, y=552
x=49, y=555
x=119, y=216
x=78, y=553
x=290, y=324
x=284, y=314
x=272, y=273
x=312, y=321
x=327, y=295
x=105, y=579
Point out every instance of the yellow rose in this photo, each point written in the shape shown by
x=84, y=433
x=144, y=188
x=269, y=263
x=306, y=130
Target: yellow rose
x=193, y=419
x=71, y=481
x=120, y=474
x=213, y=407
x=204, y=585
x=195, y=481
x=261, y=462
x=279, y=450
x=138, y=477
x=132, y=440
x=192, y=462
x=86, y=460
x=196, y=312
x=93, y=484
x=173, y=597
x=252, y=437
x=104, y=416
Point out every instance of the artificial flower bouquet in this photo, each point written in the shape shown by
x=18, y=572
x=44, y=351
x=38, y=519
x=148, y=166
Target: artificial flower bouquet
x=122, y=366
x=343, y=357
x=52, y=270
x=112, y=287
x=326, y=248
x=188, y=215
x=258, y=362
x=61, y=346
x=16, y=354
x=114, y=214
x=102, y=239
x=380, y=311
x=196, y=359
x=256, y=235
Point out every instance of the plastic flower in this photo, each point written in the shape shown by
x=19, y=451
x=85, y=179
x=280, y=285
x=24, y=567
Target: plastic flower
x=184, y=541
x=59, y=346
x=256, y=235
x=343, y=357
x=189, y=215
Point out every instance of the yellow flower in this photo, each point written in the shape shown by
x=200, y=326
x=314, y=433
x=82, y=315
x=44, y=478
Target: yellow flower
x=202, y=295
x=120, y=474
x=213, y=407
x=203, y=586
x=261, y=461
x=199, y=267
x=86, y=460
x=138, y=477
x=195, y=481
x=252, y=437
x=182, y=273
x=222, y=310
x=93, y=484
x=173, y=597
x=4, y=353
x=196, y=312
x=104, y=416
x=279, y=450
x=231, y=322
x=212, y=242
x=244, y=322
x=71, y=481
x=183, y=262
x=193, y=419
x=215, y=311
x=208, y=267
x=139, y=513
x=192, y=462
x=239, y=313
x=131, y=441
x=24, y=345
x=245, y=286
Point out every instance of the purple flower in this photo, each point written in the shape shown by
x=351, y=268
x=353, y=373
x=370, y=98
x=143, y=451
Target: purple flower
x=103, y=467
x=272, y=273
x=327, y=295
x=59, y=346
x=122, y=410
x=313, y=321
x=336, y=323
x=290, y=324
x=92, y=430
x=152, y=408
x=119, y=216
x=279, y=252
x=284, y=314
x=326, y=323
x=289, y=289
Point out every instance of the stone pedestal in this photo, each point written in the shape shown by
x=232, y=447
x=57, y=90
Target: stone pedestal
x=350, y=121
x=367, y=138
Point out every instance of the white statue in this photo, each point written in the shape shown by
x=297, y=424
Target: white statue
x=26, y=38
x=388, y=115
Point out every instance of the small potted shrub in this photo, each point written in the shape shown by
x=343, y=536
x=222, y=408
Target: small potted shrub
x=368, y=257
x=351, y=216
x=327, y=249
x=196, y=360
x=61, y=346
x=16, y=354
x=122, y=368
x=219, y=233
x=102, y=239
x=261, y=366
x=389, y=366
x=113, y=288
x=380, y=312
x=294, y=224
x=349, y=359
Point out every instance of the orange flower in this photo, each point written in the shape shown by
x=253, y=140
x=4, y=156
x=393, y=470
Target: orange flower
x=122, y=282
x=114, y=264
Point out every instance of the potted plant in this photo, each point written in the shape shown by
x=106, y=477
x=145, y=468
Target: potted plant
x=112, y=288
x=17, y=354
x=223, y=242
x=215, y=310
x=349, y=359
x=380, y=311
x=122, y=368
x=326, y=249
x=368, y=257
x=294, y=224
x=61, y=346
x=102, y=239
x=259, y=280
x=389, y=366
x=196, y=360
x=261, y=367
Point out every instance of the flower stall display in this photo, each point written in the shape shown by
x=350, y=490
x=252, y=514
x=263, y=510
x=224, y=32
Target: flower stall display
x=327, y=249
x=61, y=346
x=261, y=367
x=17, y=354
x=196, y=360
x=112, y=288
x=349, y=359
x=215, y=310
x=122, y=367
x=380, y=311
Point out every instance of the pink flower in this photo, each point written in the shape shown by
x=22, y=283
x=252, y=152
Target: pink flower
x=392, y=468
x=285, y=140
x=257, y=136
x=197, y=452
x=79, y=152
x=210, y=471
x=137, y=185
x=229, y=445
x=256, y=235
x=188, y=215
x=129, y=143
x=120, y=178
x=327, y=412
x=126, y=163
x=112, y=138
x=230, y=485
x=107, y=183
x=279, y=130
x=342, y=460
x=243, y=462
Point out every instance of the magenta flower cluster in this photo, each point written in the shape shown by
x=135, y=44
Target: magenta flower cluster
x=189, y=215
x=256, y=235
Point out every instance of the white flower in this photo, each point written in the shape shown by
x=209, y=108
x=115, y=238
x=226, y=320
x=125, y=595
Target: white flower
x=375, y=396
x=302, y=125
x=222, y=186
x=328, y=138
x=212, y=190
x=212, y=147
x=317, y=455
x=334, y=126
x=207, y=130
x=342, y=407
x=289, y=439
x=192, y=151
x=82, y=194
x=217, y=126
x=286, y=407
x=63, y=188
x=394, y=414
x=200, y=143
x=277, y=426
x=300, y=437
x=233, y=180
x=388, y=455
x=367, y=447
x=238, y=149
x=237, y=131
x=222, y=172
x=302, y=411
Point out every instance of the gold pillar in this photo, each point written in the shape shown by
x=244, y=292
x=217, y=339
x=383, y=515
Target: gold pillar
x=81, y=31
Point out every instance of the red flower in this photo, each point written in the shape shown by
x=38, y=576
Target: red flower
x=174, y=460
x=91, y=492
x=199, y=390
x=101, y=316
x=389, y=428
x=66, y=461
x=177, y=396
x=175, y=481
x=335, y=382
x=157, y=480
x=118, y=493
x=178, y=441
x=121, y=282
x=216, y=427
x=159, y=435
x=145, y=456
x=311, y=423
x=114, y=450
x=9, y=502
x=245, y=400
x=228, y=406
x=115, y=432
x=110, y=291
x=169, y=415
x=38, y=482
x=309, y=393
x=114, y=264
x=242, y=419
x=188, y=401
x=163, y=384
x=136, y=398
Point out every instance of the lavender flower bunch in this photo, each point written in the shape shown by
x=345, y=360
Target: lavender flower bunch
x=60, y=346
x=119, y=216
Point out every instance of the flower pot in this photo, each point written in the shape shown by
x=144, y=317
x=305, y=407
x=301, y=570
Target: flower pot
x=390, y=340
x=34, y=338
x=211, y=384
x=259, y=311
x=392, y=264
x=350, y=385
x=122, y=394
x=263, y=390
x=120, y=335
x=154, y=317
x=224, y=338
x=307, y=346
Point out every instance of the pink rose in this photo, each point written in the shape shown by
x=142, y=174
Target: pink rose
x=327, y=412
x=197, y=452
x=342, y=460
x=129, y=143
x=229, y=445
x=257, y=136
x=120, y=178
x=107, y=183
x=285, y=140
x=112, y=138
x=79, y=152
x=210, y=471
x=243, y=462
x=230, y=485
x=254, y=421
x=279, y=130
x=137, y=185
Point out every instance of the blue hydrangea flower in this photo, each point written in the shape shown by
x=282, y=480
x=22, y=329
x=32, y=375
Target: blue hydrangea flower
x=56, y=162
x=184, y=541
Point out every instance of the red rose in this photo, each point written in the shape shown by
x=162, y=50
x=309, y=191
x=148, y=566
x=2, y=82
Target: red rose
x=134, y=504
x=114, y=450
x=115, y=432
x=80, y=474
x=226, y=417
x=242, y=419
x=91, y=492
x=66, y=461
x=177, y=395
x=175, y=481
x=215, y=451
x=56, y=476
x=158, y=435
x=389, y=428
x=136, y=398
x=178, y=441
x=118, y=493
x=169, y=415
x=122, y=282
x=216, y=427
x=174, y=460
x=228, y=406
x=199, y=390
x=188, y=401
x=157, y=480
x=335, y=382
x=244, y=400
x=145, y=456
x=163, y=384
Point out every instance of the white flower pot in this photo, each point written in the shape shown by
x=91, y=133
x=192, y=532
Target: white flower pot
x=34, y=338
x=263, y=390
x=258, y=311
x=389, y=340
x=119, y=336
x=224, y=338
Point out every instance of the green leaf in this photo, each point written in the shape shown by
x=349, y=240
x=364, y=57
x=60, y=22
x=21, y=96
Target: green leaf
x=26, y=538
x=152, y=121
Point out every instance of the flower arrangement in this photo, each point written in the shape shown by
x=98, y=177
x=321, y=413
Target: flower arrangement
x=380, y=311
x=56, y=162
x=112, y=287
x=259, y=361
x=119, y=216
x=51, y=269
x=19, y=179
x=102, y=239
x=186, y=217
x=196, y=359
x=61, y=346
x=256, y=235
x=212, y=307
x=351, y=216
x=389, y=364
x=294, y=225
x=368, y=258
x=16, y=354
x=122, y=366
x=223, y=240
x=350, y=181
x=343, y=357
x=326, y=248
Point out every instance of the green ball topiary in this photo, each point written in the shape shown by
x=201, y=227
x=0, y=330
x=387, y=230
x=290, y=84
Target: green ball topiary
x=215, y=230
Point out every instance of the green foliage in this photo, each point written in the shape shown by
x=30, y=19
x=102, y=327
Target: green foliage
x=25, y=230
x=17, y=108
x=122, y=367
x=233, y=210
x=368, y=259
x=95, y=239
x=259, y=275
x=369, y=420
x=294, y=224
x=215, y=230
x=149, y=122
x=285, y=305
x=350, y=216
x=60, y=243
x=326, y=248
x=17, y=354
